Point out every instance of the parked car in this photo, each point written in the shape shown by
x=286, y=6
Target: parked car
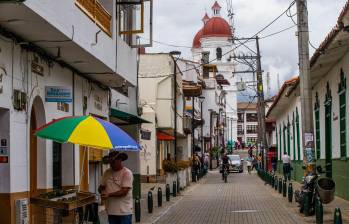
x=235, y=164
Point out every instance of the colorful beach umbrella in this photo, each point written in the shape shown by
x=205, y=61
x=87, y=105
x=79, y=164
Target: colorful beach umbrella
x=88, y=131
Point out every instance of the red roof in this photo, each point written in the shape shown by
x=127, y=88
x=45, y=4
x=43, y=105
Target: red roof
x=164, y=137
x=291, y=82
x=216, y=5
x=217, y=27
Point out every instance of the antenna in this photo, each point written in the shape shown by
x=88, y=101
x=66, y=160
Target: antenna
x=231, y=14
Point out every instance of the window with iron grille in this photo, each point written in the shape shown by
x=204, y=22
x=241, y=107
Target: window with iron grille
x=342, y=116
x=251, y=129
x=317, y=126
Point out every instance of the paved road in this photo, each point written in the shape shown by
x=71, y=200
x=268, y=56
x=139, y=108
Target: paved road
x=244, y=199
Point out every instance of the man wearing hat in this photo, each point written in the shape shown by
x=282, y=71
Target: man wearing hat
x=116, y=188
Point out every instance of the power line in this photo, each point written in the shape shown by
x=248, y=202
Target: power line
x=281, y=31
x=239, y=45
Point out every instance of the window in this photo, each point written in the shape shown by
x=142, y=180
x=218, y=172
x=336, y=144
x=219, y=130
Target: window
x=294, y=135
x=219, y=53
x=240, y=117
x=240, y=130
x=251, y=140
x=251, y=129
x=317, y=126
x=342, y=116
x=251, y=117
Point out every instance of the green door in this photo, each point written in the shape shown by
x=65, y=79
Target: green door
x=328, y=132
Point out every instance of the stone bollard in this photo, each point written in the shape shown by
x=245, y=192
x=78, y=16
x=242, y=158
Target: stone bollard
x=168, y=192
x=280, y=185
x=319, y=212
x=150, y=202
x=174, y=188
x=159, y=197
x=290, y=192
x=284, y=189
x=337, y=219
x=137, y=209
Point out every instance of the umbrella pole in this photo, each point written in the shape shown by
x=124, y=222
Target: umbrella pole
x=82, y=169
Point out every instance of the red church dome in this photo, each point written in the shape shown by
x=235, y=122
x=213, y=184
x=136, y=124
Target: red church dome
x=213, y=27
x=217, y=27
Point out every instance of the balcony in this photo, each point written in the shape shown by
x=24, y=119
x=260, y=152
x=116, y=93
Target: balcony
x=97, y=13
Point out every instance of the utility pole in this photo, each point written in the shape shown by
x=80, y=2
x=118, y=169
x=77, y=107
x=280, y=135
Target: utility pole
x=261, y=106
x=305, y=87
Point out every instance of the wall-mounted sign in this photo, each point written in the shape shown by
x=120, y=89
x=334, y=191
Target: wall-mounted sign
x=145, y=134
x=98, y=103
x=58, y=94
x=3, y=159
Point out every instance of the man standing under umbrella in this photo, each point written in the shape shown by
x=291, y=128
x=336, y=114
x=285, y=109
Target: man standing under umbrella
x=116, y=188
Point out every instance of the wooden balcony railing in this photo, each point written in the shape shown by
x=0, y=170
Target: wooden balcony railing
x=97, y=13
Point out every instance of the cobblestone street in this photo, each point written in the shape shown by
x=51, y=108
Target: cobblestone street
x=244, y=199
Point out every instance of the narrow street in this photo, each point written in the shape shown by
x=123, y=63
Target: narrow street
x=244, y=199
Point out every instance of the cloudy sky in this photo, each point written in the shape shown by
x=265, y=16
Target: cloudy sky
x=177, y=21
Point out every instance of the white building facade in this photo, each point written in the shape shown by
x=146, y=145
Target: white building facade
x=80, y=55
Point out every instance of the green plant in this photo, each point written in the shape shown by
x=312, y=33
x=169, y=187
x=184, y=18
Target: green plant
x=215, y=151
x=183, y=164
x=170, y=166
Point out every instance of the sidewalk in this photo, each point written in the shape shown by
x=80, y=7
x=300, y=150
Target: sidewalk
x=158, y=212
x=328, y=208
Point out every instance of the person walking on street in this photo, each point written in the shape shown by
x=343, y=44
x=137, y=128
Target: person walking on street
x=286, y=161
x=249, y=164
x=274, y=163
x=116, y=189
x=254, y=162
x=259, y=161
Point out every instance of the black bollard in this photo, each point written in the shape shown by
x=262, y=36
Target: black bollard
x=307, y=202
x=159, y=197
x=290, y=192
x=276, y=183
x=272, y=181
x=280, y=185
x=284, y=189
x=174, y=188
x=319, y=211
x=137, y=209
x=168, y=192
x=337, y=219
x=150, y=202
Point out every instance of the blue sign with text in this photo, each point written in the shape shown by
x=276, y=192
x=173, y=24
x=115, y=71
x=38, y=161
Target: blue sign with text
x=58, y=94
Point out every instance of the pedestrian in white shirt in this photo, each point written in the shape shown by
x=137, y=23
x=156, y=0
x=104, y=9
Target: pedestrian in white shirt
x=286, y=161
x=116, y=188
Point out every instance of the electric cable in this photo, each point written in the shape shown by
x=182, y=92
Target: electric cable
x=236, y=47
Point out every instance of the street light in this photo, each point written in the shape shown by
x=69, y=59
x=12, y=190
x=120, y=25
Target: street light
x=173, y=54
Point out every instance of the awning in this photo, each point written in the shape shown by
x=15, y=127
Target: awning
x=120, y=117
x=164, y=137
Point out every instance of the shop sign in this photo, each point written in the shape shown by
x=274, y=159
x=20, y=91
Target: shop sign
x=58, y=94
x=145, y=134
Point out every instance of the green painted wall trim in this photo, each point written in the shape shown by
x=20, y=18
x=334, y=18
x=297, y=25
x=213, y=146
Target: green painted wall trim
x=340, y=174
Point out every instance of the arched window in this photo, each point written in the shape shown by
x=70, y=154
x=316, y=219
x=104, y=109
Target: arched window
x=219, y=53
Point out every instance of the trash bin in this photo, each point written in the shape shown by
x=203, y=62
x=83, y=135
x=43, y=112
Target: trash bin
x=326, y=188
